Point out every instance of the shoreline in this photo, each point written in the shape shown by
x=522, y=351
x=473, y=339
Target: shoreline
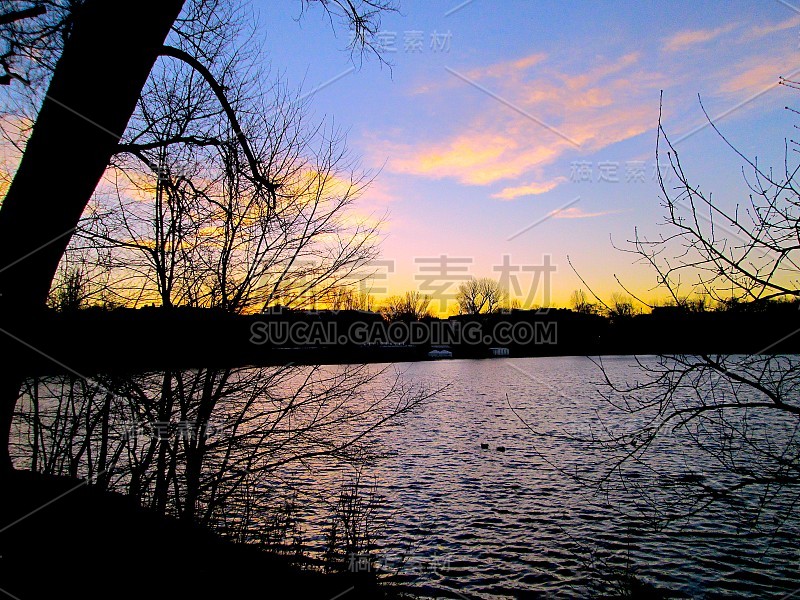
x=96, y=544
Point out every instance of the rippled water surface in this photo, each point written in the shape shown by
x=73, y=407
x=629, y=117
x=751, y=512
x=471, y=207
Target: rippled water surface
x=478, y=523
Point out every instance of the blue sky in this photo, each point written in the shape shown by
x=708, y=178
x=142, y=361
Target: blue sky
x=501, y=113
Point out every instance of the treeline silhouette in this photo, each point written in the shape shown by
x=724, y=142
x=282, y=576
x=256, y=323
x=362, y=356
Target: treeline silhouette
x=96, y=339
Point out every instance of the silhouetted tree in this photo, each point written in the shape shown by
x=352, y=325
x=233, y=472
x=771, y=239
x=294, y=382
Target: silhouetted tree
x=69, y=293
x=736, y=416
x=621, y=307
x=94, y=88
x=411, y=306
x=342, y=297
x=200, y=444
x=478, y=296
x=579, y=302
x=109, y=49
x=248, y=206
x=219, y=200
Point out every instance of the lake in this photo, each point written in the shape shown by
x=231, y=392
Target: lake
x=479, y=523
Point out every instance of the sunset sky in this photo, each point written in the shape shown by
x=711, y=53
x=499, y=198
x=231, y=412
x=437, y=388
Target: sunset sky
x=527, y=128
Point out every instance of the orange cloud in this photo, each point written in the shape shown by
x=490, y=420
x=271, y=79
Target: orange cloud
x=685, y=39
x=533, y=116
x=476, y=158
x=533, y=189
x=528, y=114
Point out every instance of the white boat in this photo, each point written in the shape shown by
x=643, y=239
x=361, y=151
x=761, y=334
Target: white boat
x=440, y=354
x=500, y=351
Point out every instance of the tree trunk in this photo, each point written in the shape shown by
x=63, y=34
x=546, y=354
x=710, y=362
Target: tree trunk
x=165, y=405
x=93, y=92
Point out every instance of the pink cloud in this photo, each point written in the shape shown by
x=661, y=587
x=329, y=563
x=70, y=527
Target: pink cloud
x=685, y=39
x=761, y=30
x=759, y=76
x=577, y=213
x=533, y=189
x=507, y=68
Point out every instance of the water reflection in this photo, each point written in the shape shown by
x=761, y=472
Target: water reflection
x=448, y=515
